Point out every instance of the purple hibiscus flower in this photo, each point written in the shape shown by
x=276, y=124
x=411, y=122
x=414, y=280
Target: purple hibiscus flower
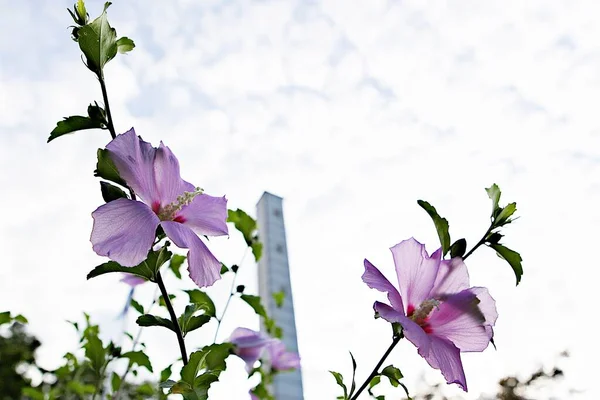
x=124, y=229
x=439, y=313
x=133, y=280
x=281, y=359
x=249, y=345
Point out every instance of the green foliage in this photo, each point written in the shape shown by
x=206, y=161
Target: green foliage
x=73, y=124
x=458, y=248
x=202, y=370
x=247, y=226
x=138, y=358
x=500, y=217
x=95, y=353
x=136, y=306
x=339, y=379
x=175, y=264
x=203, y=301
x=17, y=349
x=125, y=45
x=106, y=169
x=6, y=317
x=111, y=192
x=256, y=304
x=189, y=322
x=441, y=225
x=98, y=42
x=512, y=257
x=146, y=269
x=278, y=297
x=153, y=320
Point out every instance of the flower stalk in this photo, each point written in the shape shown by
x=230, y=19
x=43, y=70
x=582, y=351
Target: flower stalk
x=165, y=295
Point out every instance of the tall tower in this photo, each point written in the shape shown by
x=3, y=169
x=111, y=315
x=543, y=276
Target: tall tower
x=274, y=276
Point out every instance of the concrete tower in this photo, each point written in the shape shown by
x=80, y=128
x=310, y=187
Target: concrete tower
x=274, y=276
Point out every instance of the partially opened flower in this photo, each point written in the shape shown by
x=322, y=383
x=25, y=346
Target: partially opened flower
x=133, y=280
x=281, y=359
x=249, y=345
x=124, y=229
x=438, y=311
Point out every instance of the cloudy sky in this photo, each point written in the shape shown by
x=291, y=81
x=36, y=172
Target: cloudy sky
x=351, y=113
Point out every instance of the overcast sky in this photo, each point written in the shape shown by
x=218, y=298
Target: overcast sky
x=350, y=111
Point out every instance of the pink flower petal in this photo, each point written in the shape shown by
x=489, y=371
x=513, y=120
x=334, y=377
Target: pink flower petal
x=203, y=267
x=168, y=179
x=281, y=359
x=134, y=160
x=206, y=215
x=452, y=277
x=445, y=356
x=416, y=271
x=375, y=280
x=249, y=345
x=460, y=320
x=412, y=331
x=124, y=231
x=133, y=280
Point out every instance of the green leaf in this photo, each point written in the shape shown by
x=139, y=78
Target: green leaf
x=353, y=387
x=168, y=384
x=141, y=270
x=175, y=265
x=512, y=257
x=458, y=248
x=106, y=169
x=98, y=42
x=393, y=374
x=153, y=320
x=97, y=113
x=494, y=194
x=257, y=248
x=195, y=363
x=137, y=306
x=33, y=393
x=195, y=322
x=441, y=225
x=95, y=353
x=340, y=381
x=202, y=300
x=504, y=215
x=224, y=269
x=255, y=303
x=115, y=382
x=5, y=317
x=73, y=124
x=278, y=297
x=374, y=382
x=81, y=12
x=243, y=223
x=216, y=354
x=162, y=302
x=138, y=358
x=125, y=45
x=166, y=374
x=111, y=192
x=146, y=269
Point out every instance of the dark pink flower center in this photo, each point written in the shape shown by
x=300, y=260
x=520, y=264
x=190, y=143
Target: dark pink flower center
x=421, y=315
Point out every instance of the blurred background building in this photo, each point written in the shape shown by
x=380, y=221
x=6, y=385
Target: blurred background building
x=273, y=277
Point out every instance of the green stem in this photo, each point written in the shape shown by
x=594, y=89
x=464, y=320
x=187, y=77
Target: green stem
x=165, y=296
x=375, y=371
x=482, y=241
x=219, y=320
x=231, y=293
x=111, y=126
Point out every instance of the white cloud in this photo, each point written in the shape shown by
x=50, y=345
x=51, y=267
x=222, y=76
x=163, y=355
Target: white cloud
x=351, y=114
